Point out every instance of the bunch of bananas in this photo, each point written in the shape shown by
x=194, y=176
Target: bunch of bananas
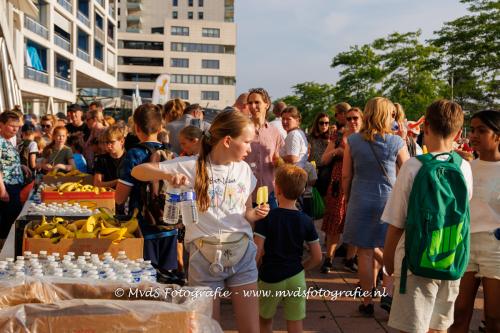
x=75, y=172
x=79, y=187
x=101, y=225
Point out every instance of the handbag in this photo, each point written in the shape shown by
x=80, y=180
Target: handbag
x=233, y=247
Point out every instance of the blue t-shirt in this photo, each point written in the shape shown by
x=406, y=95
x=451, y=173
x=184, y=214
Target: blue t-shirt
x=284, y=231
x=80, y=162
x=134, y=157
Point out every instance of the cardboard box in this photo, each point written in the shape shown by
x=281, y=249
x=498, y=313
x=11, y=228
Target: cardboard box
x=50, y=180
x=96, y=316
x=133, y=247
x=103, y=199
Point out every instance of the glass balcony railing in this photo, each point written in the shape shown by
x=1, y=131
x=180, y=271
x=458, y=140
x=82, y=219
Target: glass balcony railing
x=100, y=2
x=111, y=11
x=66, y=5
x=111, y=41
x=99, y=34
x=134, y=6
x=83, y=55
x=62, y=42
x=36, y=27
x=111, y=70
x=62, y=84
x=36, y=75
x=135, y=30
x=98, y=63
x=82, y=18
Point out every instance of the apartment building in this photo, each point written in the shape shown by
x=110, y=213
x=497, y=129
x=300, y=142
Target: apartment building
x=193, y=41
x=61, y=47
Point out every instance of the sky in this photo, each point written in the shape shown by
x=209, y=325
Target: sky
x=284, y=42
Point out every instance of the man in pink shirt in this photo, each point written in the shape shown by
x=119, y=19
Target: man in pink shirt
x=265, y=145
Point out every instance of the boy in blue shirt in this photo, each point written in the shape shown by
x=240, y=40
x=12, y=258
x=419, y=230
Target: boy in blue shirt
x=279, y=238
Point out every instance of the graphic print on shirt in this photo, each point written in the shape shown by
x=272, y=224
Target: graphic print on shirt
x=227, y=196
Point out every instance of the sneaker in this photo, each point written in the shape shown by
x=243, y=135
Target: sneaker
x=366, y=310
x=327, y=266
x=482, y=326
x=385, y=303
x=350, y=265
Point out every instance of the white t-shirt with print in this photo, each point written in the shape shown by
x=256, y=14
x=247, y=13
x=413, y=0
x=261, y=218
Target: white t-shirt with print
x=296, y=145
x=229, y=188
x=33, y=147
x=485, y=205
x=396, y=207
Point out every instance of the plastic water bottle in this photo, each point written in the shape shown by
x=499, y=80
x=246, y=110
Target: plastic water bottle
x=122, y=256
x=171, y=210
x=189, y=210
x=136, y=271
x=149, y=269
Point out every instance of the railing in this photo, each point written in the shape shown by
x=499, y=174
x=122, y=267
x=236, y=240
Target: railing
x=111, y=41
x=99, y=34
x=111, y=70
x=62, y=84
x=82, y=18
x=98, y=63
x=66, y=5
x=36, y=27
x=62, y=42
x=83, y=55
x=36, y=75
x=134, y=18
x=134, y=6
x=100, y=2
x=111, y=11
x=136, y=30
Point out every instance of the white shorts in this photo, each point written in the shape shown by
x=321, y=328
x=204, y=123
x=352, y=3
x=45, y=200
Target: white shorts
x=484, y=255
x=427, y=304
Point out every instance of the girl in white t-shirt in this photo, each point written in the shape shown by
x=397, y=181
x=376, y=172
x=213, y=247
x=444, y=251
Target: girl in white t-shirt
x=223, y=183
x=484, y=262
x=295, y=149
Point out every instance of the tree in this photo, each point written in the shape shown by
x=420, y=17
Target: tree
x=471, y=58
x=311, y=98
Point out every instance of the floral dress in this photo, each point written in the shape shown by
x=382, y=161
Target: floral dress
x=335, y=206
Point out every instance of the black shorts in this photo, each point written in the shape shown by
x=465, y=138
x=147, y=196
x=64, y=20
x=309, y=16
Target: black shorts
x=162, y=251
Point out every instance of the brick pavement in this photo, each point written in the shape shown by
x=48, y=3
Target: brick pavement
x=336, y=316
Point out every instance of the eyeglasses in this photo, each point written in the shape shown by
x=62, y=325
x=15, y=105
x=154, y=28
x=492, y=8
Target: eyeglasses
x=352, y=118
x=46, y=126
x=109, y=142
x=322, y=123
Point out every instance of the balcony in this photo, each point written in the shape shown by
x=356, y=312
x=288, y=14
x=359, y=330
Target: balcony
x=62, y=42
x=135, y=30
x=111, y=41
x=134, y=19
x=36, y=75
x=99, y=34
x=36, y=27
x=111, y=11
x=100, y=2
x=131, y=6
x=111, y=70
x=66, y=5
x=83, y=55
x=98, y=63
x=82, y=18
x=62, y=84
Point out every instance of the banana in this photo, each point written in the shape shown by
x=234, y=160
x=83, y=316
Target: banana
x=106, y=231
x=81, y=234
x=96, y=190
x=62, y=230
x=133, y=223
x=77, y=223
x=90, y=223
x=55, y=240
x=116, y=236
x=44, y=227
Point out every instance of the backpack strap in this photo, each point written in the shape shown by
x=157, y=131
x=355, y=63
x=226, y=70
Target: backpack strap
x=404, y=275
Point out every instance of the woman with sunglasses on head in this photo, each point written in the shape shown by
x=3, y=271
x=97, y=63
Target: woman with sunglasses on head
x=333, y=221
x=318, y=141
x=47, y=126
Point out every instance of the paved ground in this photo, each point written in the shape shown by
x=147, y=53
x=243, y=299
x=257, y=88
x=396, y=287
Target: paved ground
x=336, y=316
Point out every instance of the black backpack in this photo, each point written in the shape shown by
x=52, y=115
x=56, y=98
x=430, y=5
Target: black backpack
x=152, y=193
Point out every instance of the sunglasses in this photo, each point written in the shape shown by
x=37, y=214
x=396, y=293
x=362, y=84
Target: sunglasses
x=352, y=118
x=324, y=123
x=46, y=126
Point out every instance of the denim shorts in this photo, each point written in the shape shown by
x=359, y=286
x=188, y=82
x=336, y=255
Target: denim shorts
x=243, y=273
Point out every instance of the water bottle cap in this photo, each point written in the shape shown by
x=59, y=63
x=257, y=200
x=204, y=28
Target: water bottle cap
x=43, y=253
x=19, y=258
x=86, y=254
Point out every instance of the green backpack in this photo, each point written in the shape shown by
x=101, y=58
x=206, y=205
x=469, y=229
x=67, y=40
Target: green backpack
x=438, y=221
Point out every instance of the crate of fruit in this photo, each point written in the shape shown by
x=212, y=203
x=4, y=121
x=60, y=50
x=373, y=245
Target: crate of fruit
x=85, y=194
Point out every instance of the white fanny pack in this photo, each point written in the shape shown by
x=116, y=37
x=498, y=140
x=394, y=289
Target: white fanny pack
x=230, y=247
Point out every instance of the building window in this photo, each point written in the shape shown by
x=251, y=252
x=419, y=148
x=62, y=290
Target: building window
x=190, y=15
x=179, y=62
x=179, y=31
x=200, y=3
x=182, y=94
x=206, y=63
x=210, y=32
x=174, y=15
x=119, y=11
x=175, y=3
x=190, y=3
x=210, y=95
x=200, y=15
x=119, y=24
x=202, y=79
x=98, y=51
x=157, y=30
x=203, y=48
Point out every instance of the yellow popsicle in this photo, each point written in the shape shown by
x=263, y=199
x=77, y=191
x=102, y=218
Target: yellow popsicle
x=424, y=149
x=262, y=194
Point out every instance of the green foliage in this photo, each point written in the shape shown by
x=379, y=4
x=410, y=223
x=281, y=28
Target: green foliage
x=461, y=63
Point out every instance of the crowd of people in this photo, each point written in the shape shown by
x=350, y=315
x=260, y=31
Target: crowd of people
x=361, y=162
